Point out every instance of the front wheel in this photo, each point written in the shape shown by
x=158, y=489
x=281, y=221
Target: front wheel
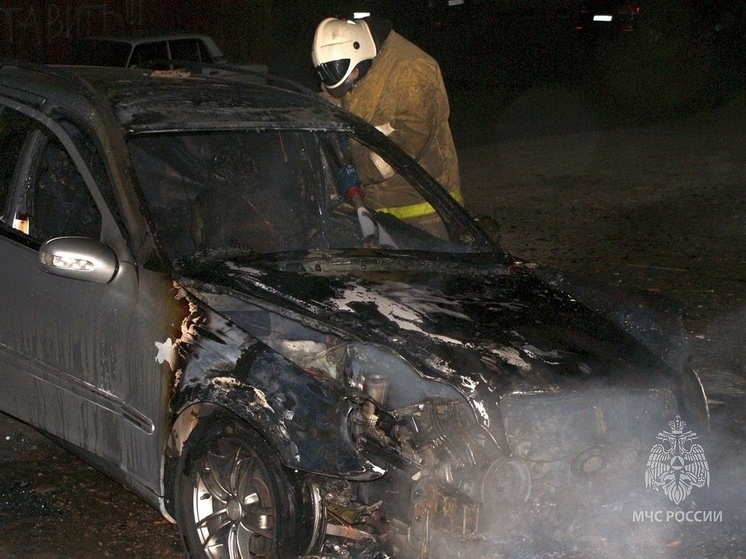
x=235, y=500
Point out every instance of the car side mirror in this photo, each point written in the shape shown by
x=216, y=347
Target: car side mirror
x=489, y=227
x=79, y=258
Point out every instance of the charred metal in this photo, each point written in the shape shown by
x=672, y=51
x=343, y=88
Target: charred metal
x=271, y=367
x=416, y=442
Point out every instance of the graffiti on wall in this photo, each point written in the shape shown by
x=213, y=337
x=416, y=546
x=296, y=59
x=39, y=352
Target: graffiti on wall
x=43, y=29
x=46, y=30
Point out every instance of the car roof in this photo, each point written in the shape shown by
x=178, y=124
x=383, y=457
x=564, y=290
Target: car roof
x=132, y=40
x=140, y=38
x=152, y=100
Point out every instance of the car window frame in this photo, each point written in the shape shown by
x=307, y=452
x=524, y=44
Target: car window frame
x=150, y=63
x=8, y=190
x=451, y=213
x=37, y=139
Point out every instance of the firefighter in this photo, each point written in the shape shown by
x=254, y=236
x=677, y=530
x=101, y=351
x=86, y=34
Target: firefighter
x=373, y=72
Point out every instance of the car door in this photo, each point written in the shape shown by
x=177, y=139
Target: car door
x=60, y=338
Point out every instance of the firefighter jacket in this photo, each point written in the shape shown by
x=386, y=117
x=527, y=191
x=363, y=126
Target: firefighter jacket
x=403, y=95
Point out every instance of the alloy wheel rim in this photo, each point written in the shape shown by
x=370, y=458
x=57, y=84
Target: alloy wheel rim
x=234, y=509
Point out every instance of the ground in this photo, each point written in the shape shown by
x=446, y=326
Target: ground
x=658, y=207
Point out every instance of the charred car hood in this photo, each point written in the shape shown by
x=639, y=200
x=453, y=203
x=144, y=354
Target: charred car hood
x=453, y=316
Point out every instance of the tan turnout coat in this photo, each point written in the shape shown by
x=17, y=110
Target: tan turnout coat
x=404, y=96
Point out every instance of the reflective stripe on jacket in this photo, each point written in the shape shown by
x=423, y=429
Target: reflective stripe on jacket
x=421, y=209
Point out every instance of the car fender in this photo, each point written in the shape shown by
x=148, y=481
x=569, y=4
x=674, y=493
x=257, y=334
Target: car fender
x=305, y=418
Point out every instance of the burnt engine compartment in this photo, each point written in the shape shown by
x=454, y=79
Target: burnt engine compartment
x=439, y=477
x=444, y=472
x=440, y=463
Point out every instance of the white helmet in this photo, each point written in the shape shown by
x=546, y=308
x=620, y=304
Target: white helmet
x=339, y=45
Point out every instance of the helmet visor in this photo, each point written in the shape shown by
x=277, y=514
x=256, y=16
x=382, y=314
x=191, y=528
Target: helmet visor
x=332, y=73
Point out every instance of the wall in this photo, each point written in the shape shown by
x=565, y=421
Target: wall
x=45, y=30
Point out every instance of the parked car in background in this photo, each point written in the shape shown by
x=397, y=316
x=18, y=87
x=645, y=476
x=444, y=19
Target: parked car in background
x=160, y=52
x=191, y=306
x=608, y=15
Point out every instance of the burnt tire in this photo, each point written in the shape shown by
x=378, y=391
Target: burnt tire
x=235, y=500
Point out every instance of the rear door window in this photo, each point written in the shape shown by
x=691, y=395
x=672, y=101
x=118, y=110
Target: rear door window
x=150, y=55
x=189, y=50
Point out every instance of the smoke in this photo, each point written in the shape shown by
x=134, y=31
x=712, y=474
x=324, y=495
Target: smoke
x=632, y=520
x=617, y=513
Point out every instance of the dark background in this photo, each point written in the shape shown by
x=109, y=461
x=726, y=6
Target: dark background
x=685, y=55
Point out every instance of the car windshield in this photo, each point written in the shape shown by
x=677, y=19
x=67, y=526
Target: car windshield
x=265, y=192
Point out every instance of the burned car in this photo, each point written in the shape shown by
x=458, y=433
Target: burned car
x=192, y=307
